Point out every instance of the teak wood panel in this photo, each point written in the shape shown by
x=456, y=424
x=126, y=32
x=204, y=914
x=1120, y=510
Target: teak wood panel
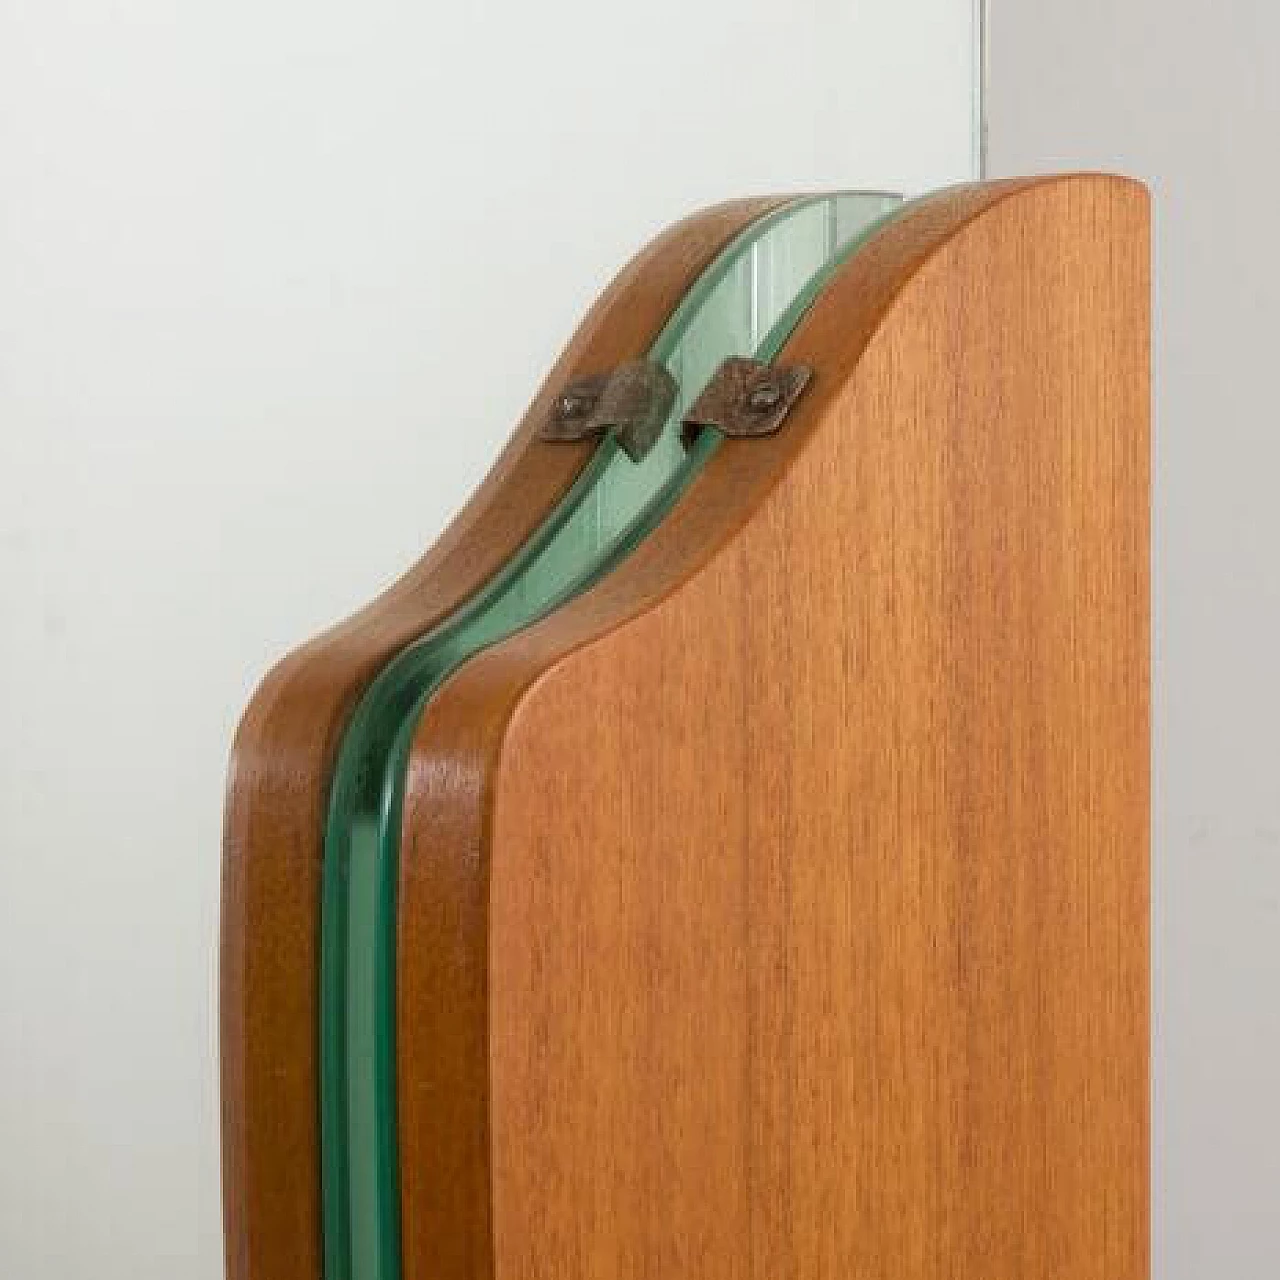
x=282, y=763
x=779, y=908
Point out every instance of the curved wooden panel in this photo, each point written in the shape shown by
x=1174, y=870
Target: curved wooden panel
x=779, y=907
x=282, y=761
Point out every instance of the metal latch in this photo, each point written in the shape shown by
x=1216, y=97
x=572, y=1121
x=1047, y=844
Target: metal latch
x=747, y=398
x=634, y=402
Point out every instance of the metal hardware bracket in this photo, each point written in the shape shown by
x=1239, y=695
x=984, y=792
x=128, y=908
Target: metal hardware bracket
x=747, y=398
x=634, y=402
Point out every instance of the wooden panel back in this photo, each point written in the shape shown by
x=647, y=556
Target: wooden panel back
x=779, y=909
x=283, y=758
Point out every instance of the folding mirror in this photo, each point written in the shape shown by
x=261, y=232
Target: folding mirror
x=727, y=853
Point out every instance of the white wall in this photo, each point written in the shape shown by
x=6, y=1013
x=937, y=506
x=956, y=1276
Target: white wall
x=276, y=278
x=1186, y=96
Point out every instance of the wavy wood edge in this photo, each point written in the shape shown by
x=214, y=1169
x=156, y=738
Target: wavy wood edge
x=476, y=738
x=283, y=756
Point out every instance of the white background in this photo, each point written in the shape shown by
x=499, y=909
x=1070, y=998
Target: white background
x=1186, y=95
x=276, y=279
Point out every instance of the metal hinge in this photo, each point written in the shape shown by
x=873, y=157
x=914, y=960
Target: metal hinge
x=634, y=402
x=747, y=398
x=744, y=399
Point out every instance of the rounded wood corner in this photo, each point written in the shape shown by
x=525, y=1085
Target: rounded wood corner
x=283, y=755
x=831, y=338
x=916, y=292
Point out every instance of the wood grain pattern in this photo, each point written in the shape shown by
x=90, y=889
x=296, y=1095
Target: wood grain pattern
x=283, y=757
x=779, y=908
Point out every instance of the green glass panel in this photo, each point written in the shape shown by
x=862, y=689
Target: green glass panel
x=745, y=303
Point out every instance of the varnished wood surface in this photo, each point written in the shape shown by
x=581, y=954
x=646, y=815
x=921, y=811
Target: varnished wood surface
x=283, y=757
x=779, y=908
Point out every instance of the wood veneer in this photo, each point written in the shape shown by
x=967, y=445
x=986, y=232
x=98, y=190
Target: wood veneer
x=283, y=757
x=779, y=907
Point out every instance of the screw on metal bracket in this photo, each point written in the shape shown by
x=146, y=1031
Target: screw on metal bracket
x=746, y=398
x=634, y=402
x=579, y=400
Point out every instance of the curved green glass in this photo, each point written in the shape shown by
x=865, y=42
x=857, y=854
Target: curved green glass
x=745, y=303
